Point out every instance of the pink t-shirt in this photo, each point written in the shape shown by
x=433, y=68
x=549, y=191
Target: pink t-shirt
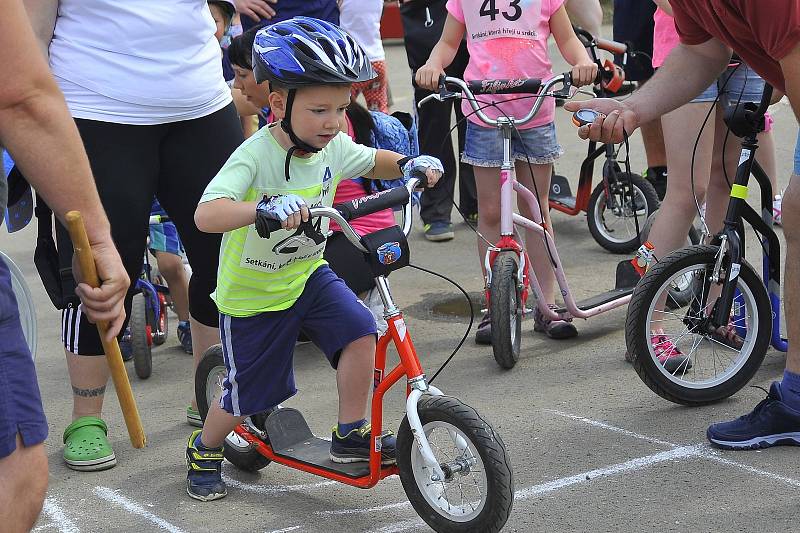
x=507, y=39
x=665, y=36
x=350, y=190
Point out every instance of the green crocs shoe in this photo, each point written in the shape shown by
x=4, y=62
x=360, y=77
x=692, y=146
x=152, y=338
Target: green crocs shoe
x=193, y=417
x=86, y=446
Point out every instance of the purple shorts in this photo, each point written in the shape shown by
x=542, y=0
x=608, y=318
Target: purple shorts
x=20, y=402
x=259, y=349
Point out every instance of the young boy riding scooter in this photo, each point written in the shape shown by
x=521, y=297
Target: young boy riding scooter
x=269, y=285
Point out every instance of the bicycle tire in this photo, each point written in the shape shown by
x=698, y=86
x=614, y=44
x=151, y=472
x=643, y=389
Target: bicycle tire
x=483, y=444
x=505, y=303
x=240, y=453
x=597, y=226
x=141, y=338
x=638, y=329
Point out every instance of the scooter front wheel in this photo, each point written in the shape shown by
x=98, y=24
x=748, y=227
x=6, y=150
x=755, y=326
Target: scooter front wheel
x=477, y=492
x=612, y=213
x=505, y=302
x=208, y=378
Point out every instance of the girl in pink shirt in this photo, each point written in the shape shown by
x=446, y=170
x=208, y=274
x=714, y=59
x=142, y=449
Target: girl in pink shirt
x=508, y=39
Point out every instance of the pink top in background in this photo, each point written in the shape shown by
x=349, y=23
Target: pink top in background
x=665, y=37
x=350, y=190
x=513, y=45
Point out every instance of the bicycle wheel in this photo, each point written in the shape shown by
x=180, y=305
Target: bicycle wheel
x=208, y=380
x=27, y=313
x=141, y=337
x=681, y=291
x=161, y=326
x=478, y=490
x=505, y=303
x=611, y=216
x=721, y=363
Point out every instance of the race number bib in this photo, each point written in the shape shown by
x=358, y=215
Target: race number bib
x=493, y=19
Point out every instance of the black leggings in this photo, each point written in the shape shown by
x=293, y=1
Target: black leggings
x=131, y=164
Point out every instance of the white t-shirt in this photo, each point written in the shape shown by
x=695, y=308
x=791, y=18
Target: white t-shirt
x=362, y=20
x=138, y=61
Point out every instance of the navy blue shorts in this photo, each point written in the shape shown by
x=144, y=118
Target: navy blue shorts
x=259, y=349
x=20, y=402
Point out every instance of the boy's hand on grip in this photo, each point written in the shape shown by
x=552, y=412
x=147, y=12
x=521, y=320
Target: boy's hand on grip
x=289, y=209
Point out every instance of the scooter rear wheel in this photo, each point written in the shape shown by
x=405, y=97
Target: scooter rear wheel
x=478, y=490
x=208, y=380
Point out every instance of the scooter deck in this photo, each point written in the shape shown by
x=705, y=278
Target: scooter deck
x=561, y=192
x=600, y=299
x=290, y=437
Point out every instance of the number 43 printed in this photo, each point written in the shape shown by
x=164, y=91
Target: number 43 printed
x=489, y=9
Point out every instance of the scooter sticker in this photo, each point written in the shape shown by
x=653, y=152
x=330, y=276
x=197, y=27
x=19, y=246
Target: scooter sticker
x=401, y=329
x=735, y=268
x=389, y=253
x=377, y=377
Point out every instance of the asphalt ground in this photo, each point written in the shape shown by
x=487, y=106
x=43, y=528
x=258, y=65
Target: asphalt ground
x=592, y=448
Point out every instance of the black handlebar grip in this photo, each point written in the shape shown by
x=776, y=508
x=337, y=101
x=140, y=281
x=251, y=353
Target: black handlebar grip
x=373, y=203
x=515, y=86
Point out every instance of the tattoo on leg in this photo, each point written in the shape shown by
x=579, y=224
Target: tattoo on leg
x=88, y=393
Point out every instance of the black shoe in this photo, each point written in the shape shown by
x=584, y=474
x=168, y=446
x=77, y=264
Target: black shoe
x=657, y=176
x=483, y=335
x=355, y=446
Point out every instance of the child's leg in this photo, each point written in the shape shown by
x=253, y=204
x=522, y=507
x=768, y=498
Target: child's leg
x=354, y=378
x=487, y=184
x=171, y=267
x=537, y=249
x=217, y=425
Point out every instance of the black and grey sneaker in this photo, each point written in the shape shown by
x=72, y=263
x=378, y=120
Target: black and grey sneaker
x=657, y=176
x=204, y=465
x=355, y=446
x=555, y=329
x=483, y=335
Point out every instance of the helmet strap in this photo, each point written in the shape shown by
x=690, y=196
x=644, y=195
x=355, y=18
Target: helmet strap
x=286, y=125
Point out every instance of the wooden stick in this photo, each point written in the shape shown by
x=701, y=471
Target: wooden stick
x=80, y=242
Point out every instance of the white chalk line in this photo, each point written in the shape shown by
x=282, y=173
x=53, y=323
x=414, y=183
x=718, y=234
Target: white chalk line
x=58, y=518
x=285, y=530
x=397, y=527
x=609, y=427
x=275, y=489
x=134, y=508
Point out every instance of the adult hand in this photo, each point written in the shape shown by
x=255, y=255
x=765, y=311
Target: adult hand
x=256, y=9
x=607, y=128
x=428, y=76
x=106, y=302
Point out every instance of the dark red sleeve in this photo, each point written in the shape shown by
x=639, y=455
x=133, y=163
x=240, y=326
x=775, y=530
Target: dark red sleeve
x=689, y=31
x=776, y=24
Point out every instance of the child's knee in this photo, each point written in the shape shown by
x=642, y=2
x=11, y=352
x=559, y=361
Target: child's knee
x=361, y=348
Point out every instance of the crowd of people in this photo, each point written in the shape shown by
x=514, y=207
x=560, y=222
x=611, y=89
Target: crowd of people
x=249, y=111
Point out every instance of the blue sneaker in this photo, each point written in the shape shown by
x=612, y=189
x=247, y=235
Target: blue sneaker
x=771, y=423
x=354, y=447
x=204, y=465
x=185, y=335
x=439, y=231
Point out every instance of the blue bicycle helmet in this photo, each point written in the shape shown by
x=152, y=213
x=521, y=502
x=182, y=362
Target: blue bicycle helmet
x=305, y=51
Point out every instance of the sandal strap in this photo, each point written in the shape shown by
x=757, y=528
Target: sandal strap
x=82, y=422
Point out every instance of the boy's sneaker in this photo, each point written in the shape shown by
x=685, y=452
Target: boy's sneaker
x=355, y=446
x=771, y=423
x=185, y=335
x=669, y=355
x=483, y=335
x=555, y=329
x=439, y=231
x=657, y=176
x=204, y=465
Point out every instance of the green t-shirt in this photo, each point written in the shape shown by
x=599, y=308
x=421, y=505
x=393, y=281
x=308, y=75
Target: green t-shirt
x=257, y=275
